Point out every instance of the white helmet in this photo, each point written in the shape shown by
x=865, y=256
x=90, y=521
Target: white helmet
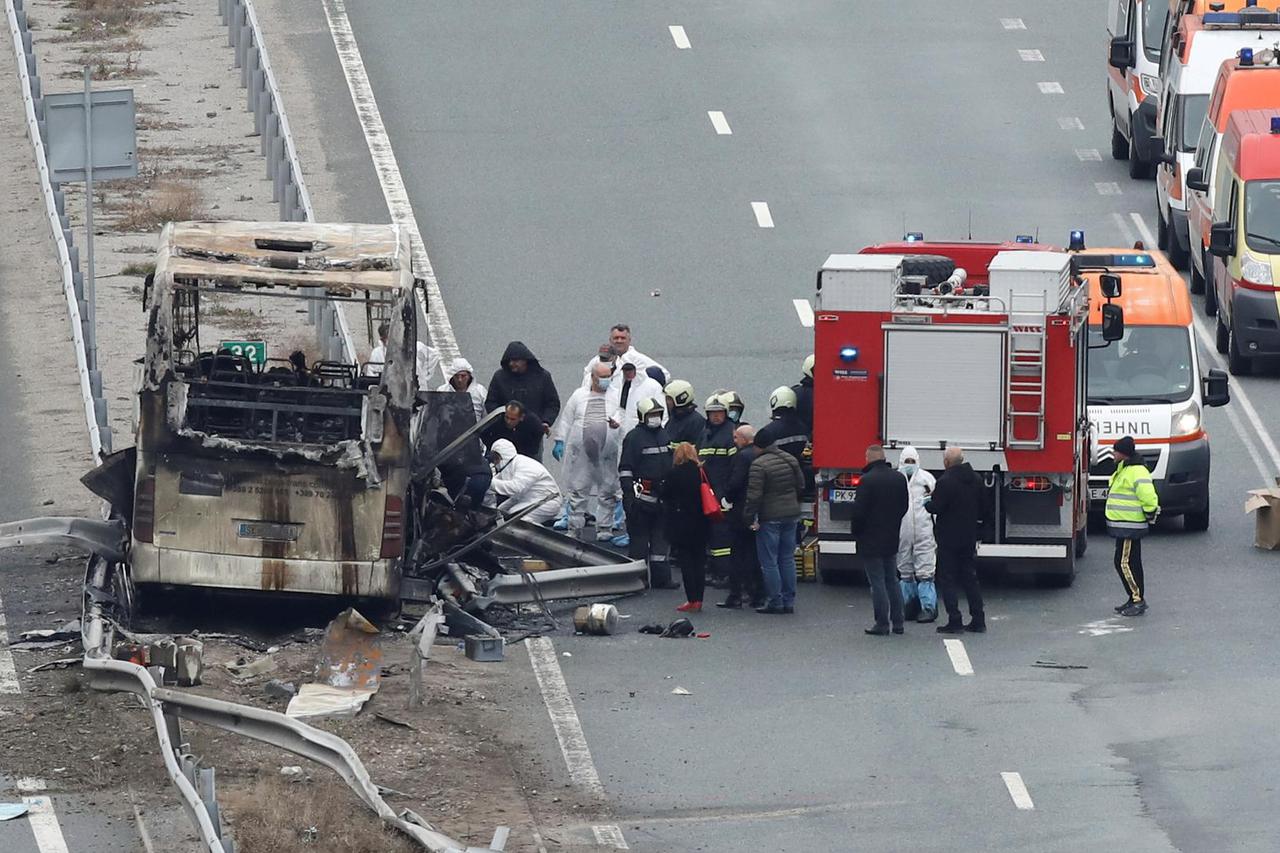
x=733, y=400
x=648, y=406
x=807, y=365
x=680, y=392
x=782, y=398
x=715, y=403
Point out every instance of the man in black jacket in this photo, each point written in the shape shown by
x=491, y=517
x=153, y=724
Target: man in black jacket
x=744, y=575
x=517, y=426
x=881, y=502
x=521, y=377
x=957, y=508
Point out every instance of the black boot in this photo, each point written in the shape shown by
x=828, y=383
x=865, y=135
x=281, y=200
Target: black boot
x=953, y=626
x=977, y=625
x=733, y=601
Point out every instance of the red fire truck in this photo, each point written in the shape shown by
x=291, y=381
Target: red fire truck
x=977, y=345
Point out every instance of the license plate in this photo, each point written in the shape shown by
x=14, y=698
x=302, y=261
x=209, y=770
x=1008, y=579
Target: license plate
x=1099, y=494
x=843, y=496
x=269, y=531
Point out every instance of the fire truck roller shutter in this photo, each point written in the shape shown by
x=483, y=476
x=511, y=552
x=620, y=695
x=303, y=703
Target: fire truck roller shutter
x=966, y=410
x=935, y=268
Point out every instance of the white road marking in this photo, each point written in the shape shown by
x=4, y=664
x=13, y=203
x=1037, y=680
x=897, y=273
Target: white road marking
x=564, y=719
x=388, y=170
x=719, y=122
x=41, y=817
x=1103, y=627
x=1070, y=123
x=1238, y=394
x=1050, y=88
x=1012, y=24
x=1018, y=790
x=1088, y=155
x=1031, y=56
x=679, y=36
x=959, y=657
x=763, y=217
x=1107, y=188
x=8, y=672
x=804, y=311
x=610, y=836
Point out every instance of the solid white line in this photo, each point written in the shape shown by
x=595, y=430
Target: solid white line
x=388, y=169
x=959, y=657
x=1070, y=123
x=43, y=820
x=763, y=217
x=1238, y=394
x=1012, y=24
x=1051, y=88
x=1018, y=790
x=679, y=36
x=1031, y=56
x=610, y=836
x=8, y=672
x=804, y=311
x=564, y=719
x=719, y=122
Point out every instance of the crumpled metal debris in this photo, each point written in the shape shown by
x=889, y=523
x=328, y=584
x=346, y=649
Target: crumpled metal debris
x=348, y=672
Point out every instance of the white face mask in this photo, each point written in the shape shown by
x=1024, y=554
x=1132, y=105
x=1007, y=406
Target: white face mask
x=653, y=421
x=910, y=468
x=734, y=415
x=603, y=382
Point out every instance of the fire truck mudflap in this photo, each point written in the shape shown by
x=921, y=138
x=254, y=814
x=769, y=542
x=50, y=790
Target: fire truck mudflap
x=992, y=359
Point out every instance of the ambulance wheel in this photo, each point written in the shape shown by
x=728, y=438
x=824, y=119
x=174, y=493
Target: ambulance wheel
x=1139, y=169
x=1119, y=145
x=1237, y=362
x=935, y=268
x=1162, y=233
x=1177, y=255
x=1196, y=522
x=1197, y=280
x=1221, y=336
x=1210, y=291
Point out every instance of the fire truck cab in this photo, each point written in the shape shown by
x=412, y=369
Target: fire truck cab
x=977, y=345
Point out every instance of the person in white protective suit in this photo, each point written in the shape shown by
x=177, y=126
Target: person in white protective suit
x=519, y=481
x=588, y=439
x=460, y=376
x=917, y=549
x=428, y=358
x=630, y=385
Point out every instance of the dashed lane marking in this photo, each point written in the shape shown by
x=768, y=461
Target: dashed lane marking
x=804, y=311
x=1104, y=627
x=41, y=817
x=388, y=170
x=679, y=36
x=1018, y=790
x=1050, y=88
x=1031, y=56
x=959, y=657
x=1238, y=394
x=763, y=217
x=1107, y=188
x=1070, y=123
x=1012, y=24
x=609, y=836
x=8, y=672
x=1089, y=155
x=719, y=122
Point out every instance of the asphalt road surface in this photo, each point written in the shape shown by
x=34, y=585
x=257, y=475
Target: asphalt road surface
x=567, y=174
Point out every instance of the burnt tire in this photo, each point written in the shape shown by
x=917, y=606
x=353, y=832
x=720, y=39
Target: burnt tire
x=935, y=268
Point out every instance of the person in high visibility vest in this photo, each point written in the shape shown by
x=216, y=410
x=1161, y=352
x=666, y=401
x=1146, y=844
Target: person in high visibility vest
x=1132, y=507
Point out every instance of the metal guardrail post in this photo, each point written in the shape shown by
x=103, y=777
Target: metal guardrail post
x=270, y=133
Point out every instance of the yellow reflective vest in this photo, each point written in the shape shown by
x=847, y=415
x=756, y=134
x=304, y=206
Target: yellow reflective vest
x=1131, y=501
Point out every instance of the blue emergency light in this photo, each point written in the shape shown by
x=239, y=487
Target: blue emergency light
x=1248, y=3
x=1275, y=124
x=1246, y=56
x=848, y=354
x=1076, y=243
x=914, y=236
x=1024, y=238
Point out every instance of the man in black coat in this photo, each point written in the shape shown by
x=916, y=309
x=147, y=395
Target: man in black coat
x=881, y=502
x=521, y=377
x=956, y=505
x=744, y=576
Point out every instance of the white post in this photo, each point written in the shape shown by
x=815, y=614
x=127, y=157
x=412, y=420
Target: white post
x=90, y=286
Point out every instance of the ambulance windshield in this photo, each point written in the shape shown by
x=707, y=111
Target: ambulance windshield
x=1262, y=216
x=1150, y=364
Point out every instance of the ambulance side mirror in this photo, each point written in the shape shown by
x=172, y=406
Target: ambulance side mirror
x=1112, y=322
x=1216, y=390
x=1222, y=239
x=1196, y=180
x=1121, y=55
x=1109, y=283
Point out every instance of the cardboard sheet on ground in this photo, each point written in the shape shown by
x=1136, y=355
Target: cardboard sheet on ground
x=348, y=672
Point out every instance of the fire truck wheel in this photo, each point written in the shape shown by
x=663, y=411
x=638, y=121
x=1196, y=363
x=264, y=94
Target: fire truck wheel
x=1082, y=542
x=1060, y=579
x=1196, y=522
x=935, y=268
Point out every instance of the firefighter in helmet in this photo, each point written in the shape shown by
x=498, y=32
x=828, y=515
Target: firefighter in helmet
x=645, y=460
x=804, y=394
x=684, y=423
x=716, y=451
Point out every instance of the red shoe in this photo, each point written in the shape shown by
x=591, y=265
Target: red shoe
x=690, y=607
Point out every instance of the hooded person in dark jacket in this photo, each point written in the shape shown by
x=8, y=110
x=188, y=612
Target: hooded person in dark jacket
x=521, y=377
x=878, y=508
x=956, y=506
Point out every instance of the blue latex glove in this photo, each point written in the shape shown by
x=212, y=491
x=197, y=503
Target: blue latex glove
x=558, y=451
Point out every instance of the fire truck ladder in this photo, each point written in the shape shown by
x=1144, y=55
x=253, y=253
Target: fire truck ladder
x=1025, y=376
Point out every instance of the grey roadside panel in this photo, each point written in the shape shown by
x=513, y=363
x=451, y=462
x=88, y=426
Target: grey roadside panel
x=115, y=140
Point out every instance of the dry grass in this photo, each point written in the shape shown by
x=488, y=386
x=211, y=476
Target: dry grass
x=274, y=816
x=166, y=200
x=109, y=19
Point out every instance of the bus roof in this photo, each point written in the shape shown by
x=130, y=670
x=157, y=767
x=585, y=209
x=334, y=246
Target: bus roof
x=1150, y=295
x=341, y=258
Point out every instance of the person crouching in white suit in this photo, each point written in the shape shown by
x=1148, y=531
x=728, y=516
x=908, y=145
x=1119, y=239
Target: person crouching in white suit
x=520, y=481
